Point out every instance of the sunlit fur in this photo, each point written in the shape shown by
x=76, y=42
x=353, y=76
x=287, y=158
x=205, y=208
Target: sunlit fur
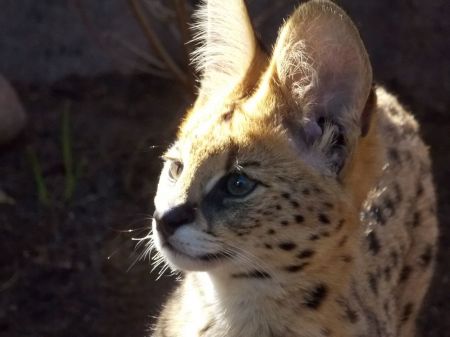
x=315, y=250
x=222, y=28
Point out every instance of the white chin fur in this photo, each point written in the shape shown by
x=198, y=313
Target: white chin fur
x=184, y=250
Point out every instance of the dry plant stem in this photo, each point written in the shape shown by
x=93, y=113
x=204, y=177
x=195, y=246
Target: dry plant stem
x=156, y=44
x=94, y=33
x=182, y=19
x=265, y=14
x=142, y=61
x=148, y=58
x=120, y=61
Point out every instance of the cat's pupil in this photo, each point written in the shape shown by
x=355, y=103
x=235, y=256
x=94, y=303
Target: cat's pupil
x=239, y=185
x=239, y=182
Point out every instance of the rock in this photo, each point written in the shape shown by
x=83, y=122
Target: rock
x=6, y=199
x=12, y=114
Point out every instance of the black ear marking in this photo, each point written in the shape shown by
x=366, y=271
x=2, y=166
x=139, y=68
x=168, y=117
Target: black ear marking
x=306, y=133
x=226, y=117
x=366, y=116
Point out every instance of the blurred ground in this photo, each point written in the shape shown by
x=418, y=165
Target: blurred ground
x=65, y=268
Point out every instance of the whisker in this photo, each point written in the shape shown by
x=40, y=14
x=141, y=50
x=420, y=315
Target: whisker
x=113, y=253
x=251, y=260
x=145, y=240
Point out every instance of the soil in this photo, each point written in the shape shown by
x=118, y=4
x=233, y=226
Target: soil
x=70, y=268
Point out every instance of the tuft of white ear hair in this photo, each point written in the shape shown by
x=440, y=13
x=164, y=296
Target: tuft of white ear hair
x=227, y=44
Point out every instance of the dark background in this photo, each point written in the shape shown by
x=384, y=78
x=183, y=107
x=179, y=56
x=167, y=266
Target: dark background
x=67, y=268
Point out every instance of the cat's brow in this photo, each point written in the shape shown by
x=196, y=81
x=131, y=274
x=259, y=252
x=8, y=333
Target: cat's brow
x=250, y=163
x=231, y=159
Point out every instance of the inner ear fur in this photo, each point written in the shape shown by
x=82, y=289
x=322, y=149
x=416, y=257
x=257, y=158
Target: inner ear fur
x=322, y=69
x=324, y=73
x=322, y=65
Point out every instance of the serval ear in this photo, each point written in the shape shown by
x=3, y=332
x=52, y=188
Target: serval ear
x=228, y=49
x=324, y=72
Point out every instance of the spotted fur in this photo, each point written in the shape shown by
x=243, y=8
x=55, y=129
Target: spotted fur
x=337, y=236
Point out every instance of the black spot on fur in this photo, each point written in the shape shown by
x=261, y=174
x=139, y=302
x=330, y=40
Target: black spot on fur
x=268, y=246
x=386, y=308
x=317, y=190
x=426, y=256
x=315, y=297
x=278, y=207
x=405, y=273
x=211, y=233
x=284, y=223
x=374, y=244
x=407, y=311
x=432, y=209
x=417, y=219
x=306, y=191
x=376, y=213
x=387, y=273
x=325, y=234
x=328, y=205
x=323, y=218
x=352, y=315
x=349, y=313
x=304, y=254
x=419, y=190
x=271, y=232
x=296, y=267
x=393, y=155
x=314, y=237
x=286, y=195
x=425, y=169
x=258, y=274
x=347, y=258
x=343, y=241
x=288, y=246
x=394, y=258
x=398, y=197
x=340, y=224
x=373, y=282
x=408, y=156
x=299, y=218
x=295, y=204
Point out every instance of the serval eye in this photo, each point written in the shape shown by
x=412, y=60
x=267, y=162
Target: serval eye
x=238, y=185
x=175, y=169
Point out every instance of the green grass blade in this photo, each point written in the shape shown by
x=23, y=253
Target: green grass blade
x=42, y=191
x=67, y=152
